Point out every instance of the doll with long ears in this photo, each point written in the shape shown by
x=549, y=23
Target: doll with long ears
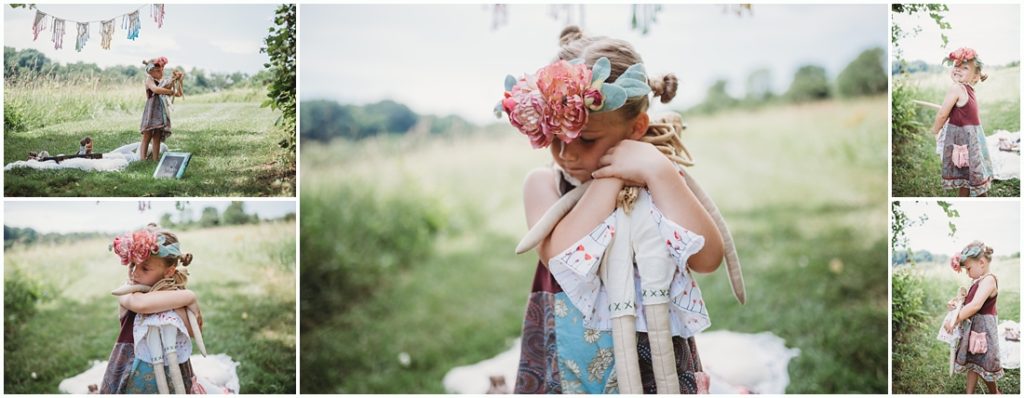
x=589, y=106
x=162, y=338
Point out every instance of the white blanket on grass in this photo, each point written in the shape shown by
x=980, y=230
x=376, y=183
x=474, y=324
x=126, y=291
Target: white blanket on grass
x=114, y=160
x=218, y=374
x=736, y=362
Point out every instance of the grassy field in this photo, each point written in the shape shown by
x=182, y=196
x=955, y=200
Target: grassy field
x=244, y=277
x=802, y=186
x=233, y=142
x=920, y=362
x=917, y=174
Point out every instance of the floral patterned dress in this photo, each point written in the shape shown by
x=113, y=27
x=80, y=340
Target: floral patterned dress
x=987, y=364
x=155, y=116
x=127, y=374
x=964, y=129
x=561, y=353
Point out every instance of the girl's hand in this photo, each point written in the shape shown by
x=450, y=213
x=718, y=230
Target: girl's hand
x=949, y=326
x=635, y=162
x=951, y=305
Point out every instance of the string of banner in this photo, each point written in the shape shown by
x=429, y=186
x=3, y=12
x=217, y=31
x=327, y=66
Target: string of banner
x=129, y=22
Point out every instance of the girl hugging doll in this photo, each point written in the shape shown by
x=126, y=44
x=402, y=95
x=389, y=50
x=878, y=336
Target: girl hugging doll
x=156, y=119
x=155, y=326
x=628, y=272
x=977, y=350
x=966, y=165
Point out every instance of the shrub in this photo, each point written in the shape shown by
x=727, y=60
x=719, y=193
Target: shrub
x=864, y=76
x=907, y=300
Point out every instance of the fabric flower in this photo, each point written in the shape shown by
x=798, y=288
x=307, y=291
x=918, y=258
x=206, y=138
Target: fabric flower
x=593, y=99
x=136, y=247
x=954, y=263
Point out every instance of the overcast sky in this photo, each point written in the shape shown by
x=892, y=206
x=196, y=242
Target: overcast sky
x=442, y=59
x=995, y=223
x=116, y=216
x=217, y=38
x=992, y=29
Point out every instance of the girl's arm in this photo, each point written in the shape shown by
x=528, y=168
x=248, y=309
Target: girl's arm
x=952, y=96
x=540, y=193
x=640, y=161
x=153, y=302
x=985, y=289
x=157, y=89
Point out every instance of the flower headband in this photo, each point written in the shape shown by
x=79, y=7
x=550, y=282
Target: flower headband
x=557, y=100
x=159, y=61
x=972, y=250
x=136, y=247
x=961, y=55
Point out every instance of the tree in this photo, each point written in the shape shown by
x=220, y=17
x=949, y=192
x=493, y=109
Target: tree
x=759, y=86
x=209, y=217
x=280, y=46
x=165, y=221
x=810, y=83
x=864, y=76
x=235, y=214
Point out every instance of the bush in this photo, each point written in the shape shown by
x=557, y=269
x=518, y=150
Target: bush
x=864, y=76
x=907, y=300
x=354, y=239
x=21, y=294
x=809, y=84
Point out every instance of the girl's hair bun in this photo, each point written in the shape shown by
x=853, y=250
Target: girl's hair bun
x=570, y=34
x=186, y=259
x=984, y=76
x=665, y=87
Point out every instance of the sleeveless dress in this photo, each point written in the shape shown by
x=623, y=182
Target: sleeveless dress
x=964, y=128
x=985, y=321
x=126, y=374
x=155, y=117
x=559, y=354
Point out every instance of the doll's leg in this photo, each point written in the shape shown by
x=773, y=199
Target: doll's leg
x=168, y=336
x=153, y=341
x=656, y=271
x=617, y=276
x=144, y=146
x=972, y=381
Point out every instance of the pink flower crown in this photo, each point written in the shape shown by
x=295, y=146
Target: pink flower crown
x=961, y=55
x=558, y=99
x=136, y=247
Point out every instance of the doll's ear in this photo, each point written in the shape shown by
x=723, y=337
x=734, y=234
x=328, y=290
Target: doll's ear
x=640, y=126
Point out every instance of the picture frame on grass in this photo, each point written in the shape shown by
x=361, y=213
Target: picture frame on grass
x=172, y=165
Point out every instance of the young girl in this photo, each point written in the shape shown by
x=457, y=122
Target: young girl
x=154, y=259
x=593, y=134
x=978, y=351
x=966, y=164
x=156, y=121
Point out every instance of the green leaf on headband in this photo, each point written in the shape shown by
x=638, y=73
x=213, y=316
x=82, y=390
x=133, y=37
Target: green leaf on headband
x=601, y=70
x=633, y=87
x=637, y=71
x=510, y=82
x=614, y=97
x=576, y=61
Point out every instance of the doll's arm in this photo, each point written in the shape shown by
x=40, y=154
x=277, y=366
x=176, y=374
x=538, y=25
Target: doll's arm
x=593, y=207
x=684, y=209
x=952, y=96
x=985, y=289
x=153, y=302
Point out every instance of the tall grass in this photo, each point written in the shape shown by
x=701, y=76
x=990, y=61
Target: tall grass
x=802, y=186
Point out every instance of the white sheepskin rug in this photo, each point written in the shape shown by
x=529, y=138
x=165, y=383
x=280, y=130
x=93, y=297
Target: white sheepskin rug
x=217, y=373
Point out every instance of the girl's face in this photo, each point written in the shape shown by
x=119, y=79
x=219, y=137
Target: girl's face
x=157, y=72
x=976, y=267
x=582, y=156
x=151, y=271
x=965, y=73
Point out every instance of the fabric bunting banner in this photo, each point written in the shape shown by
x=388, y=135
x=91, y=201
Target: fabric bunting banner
x=130, y=22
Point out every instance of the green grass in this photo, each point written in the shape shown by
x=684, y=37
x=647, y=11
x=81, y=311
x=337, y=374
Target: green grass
x=233, y=142
x=244, y=277
x=802, y=186
x=916, y=171
x=920, y=362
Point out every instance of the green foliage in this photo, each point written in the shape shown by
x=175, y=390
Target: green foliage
x=864, y=76
x=907, y=300
x=716, y=100
x=280, y=46
x=21, y=294
x=209, y=217
x=810, y=83
x=935, y=11
x=325, y=120
x=354, y=240
x=235, y=214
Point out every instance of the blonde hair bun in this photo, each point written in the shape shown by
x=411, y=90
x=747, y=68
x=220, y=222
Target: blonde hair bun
x=665, y=87
x=570, y=34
